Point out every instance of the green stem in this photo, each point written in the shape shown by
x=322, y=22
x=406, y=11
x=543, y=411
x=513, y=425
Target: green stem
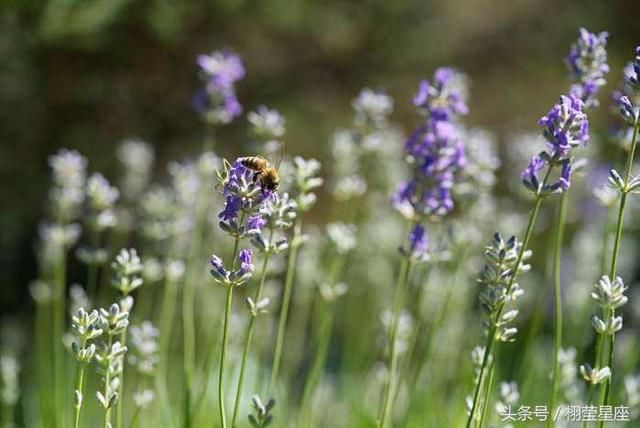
x=107, y=384
x=487, y=396
x=324, y=337
x=491, y=336
x=223, y=353
x=92, y=270
x=79, y=388
x=249, y=335
x=119, y=404
x=59, y=378
x=188, y=296
x=322, y=349
x=557, y=297
x=286, y=300
x=614, y=257
x=225, y=333
x=167, y=313
x=387, y=402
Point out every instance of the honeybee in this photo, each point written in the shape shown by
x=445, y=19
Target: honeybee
x=267, y=174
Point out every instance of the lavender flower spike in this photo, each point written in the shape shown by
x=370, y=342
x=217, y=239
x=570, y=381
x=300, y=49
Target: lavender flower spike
x=565, y=127
x=217, y=101
x=435, y=150
x=243, y=200
x=236, y=278
x=587, y=63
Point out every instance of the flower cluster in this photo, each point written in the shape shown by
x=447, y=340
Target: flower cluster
x=499, y=286
x=144, y=341
x=372, y=109
x=67, y=194
x=342, y=236
x=236, y=277
x=110, y=356
x=277, y=212
x=243, y=200
x=85, y=326
x=266, y=124
x=261, y=417
x=609, y=295
x=101, y=197
x=587, y=63
x=305, y=180
x=110, y=359
x=435, y=150
x=418, y=241
x=628, y=101
x=137, y=159
x=565, y=127
x=217, y=101
x=127, y=269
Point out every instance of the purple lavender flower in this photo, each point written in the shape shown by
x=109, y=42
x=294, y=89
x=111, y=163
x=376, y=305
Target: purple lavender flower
x=243, y=200
x=632, y=73
x=565, y=128
x=217, y=101
x=238, y=277
x=587, y=62
x=418, y=243
x=628, y=110
x=444, y=98
x=435, y=148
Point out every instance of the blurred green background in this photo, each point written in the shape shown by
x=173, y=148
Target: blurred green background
x=86, y=74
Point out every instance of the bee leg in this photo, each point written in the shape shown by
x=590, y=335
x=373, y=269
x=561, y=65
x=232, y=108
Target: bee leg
x=255, y=176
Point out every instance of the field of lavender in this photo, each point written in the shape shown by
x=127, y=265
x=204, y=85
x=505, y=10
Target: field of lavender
x=453, y=284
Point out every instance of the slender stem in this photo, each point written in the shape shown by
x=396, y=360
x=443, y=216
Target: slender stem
x=557, y=297
x=286, y=300
x=487, y=396
x=322, y=349
x=107, y=386
x=614, y=257
x=249, y=335
x=80, y=389
x=223, y=353
x=58, y=326
x=324, y=338
x=167, y=313
x=188, y=296
x=225, y=333
x=387, y=402
x=492, y=331
x=119, y=404
x=92, y=269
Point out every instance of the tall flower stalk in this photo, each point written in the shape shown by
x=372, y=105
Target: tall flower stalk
x=587, y=63
x=435, y=154
x=610, y=288
x=66, y=196
x=85, y=326
x=564, y=128
x=240, y=218
x=127, y=269
x=305, y=180
x=277, y=213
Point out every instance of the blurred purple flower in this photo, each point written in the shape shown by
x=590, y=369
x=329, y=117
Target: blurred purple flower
x=434, y=148
x=587, y=62
x=418, y=241
x=217, y=101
